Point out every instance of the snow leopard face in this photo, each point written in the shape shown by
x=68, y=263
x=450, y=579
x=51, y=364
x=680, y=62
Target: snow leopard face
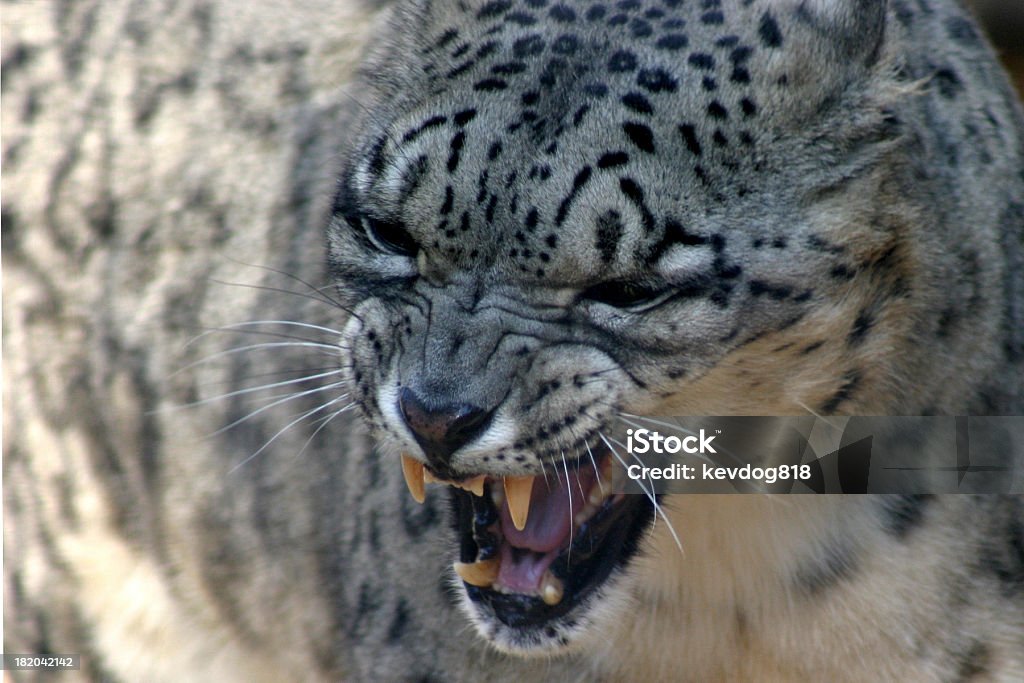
x=564, y=213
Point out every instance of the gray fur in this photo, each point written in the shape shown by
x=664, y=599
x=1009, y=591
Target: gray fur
x=149, y=148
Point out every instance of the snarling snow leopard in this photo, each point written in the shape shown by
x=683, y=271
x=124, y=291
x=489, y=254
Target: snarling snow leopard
x=550, y=216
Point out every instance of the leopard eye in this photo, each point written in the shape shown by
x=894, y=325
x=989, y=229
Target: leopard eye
x=622, y=294
x=390, y=236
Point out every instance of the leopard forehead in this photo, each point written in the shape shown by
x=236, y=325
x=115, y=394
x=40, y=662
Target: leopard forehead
x=559, y=141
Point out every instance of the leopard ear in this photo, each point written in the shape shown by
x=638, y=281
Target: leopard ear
x=854, y=30
x=843, y=33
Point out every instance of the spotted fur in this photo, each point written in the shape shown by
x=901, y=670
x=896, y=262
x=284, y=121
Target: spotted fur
x=663, y=206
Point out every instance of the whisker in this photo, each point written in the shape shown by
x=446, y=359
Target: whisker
x=288, y=426
x=252, y=347
x=568, y=492
x=650, y=494
x=261, y=375
x=324, y=421
x=289, y=397
x=294, y=278
x=597, y=472
x=249, y=390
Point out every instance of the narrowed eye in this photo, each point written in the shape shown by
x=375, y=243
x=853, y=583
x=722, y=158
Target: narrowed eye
x=391, y=236
x=621, y=294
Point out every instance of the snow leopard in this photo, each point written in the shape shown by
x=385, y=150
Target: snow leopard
x=321, y=324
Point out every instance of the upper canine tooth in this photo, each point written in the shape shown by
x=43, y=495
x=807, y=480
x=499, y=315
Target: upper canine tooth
x=482, y=573
x=517, y=492
x=413, y=471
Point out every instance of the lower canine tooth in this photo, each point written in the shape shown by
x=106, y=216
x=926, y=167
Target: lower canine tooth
x=413, y=471
x=551, y=590
x=517, y=492
x=482, y=573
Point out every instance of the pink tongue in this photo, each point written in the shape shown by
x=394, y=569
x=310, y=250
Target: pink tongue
x=550, y=516
x=546, y=532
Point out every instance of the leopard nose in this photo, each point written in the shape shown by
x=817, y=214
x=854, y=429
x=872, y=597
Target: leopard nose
x=442, y=430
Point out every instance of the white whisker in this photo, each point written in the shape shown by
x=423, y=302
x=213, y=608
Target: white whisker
x=249, y=390
x=285, y=399
x=288, y=426
x=650, y=494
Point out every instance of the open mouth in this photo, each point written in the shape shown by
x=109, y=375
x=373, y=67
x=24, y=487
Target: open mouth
x=531, y=549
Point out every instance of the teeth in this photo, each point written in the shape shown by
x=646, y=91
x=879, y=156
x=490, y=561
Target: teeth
x=482, y=573
x=413, y=471
x=474, y=485
x=429, y=478
x=517, y=491
x=551, y=589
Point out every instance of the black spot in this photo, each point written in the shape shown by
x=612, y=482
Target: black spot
x=962, y=31
x=836, y=564
x=904, y=513
x=748, y=107
x=446, y=38
x=973, y=663
x=640, y=28
x=810, y=348
x=490, y=85
x=769, y=31
x=740, y=75
x=618, y=20
x=717, y=111
x=861, y=326
x=399, y=621
x=640, y=135
x=701, y=60
x=456, y=150
x=596, y=13
x=637, y=103
x=712, y=18
x=531, y=220
x=578, y=182
x=850, y=383
x=777, y=292
x=377, y=160
x=521, y=18
x=948, y=83
x=656, y=80
x=508, y=68
x=487, y=48
x=1005, y=556
x=608, y=233
x=493, y=153
x=719, y=138
x=709, y=83
x=494, y=9
x=740, y=55
x=464, y=117
x=577, y=118
x=562, y=13
x=622, y=61
x=449, y=199
x=429, y=123
x=673, y=41
x=595, y=89
x=529, y=97
x=612, y=159
x=530, y=46
x=675, y=234
x=635, y=194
